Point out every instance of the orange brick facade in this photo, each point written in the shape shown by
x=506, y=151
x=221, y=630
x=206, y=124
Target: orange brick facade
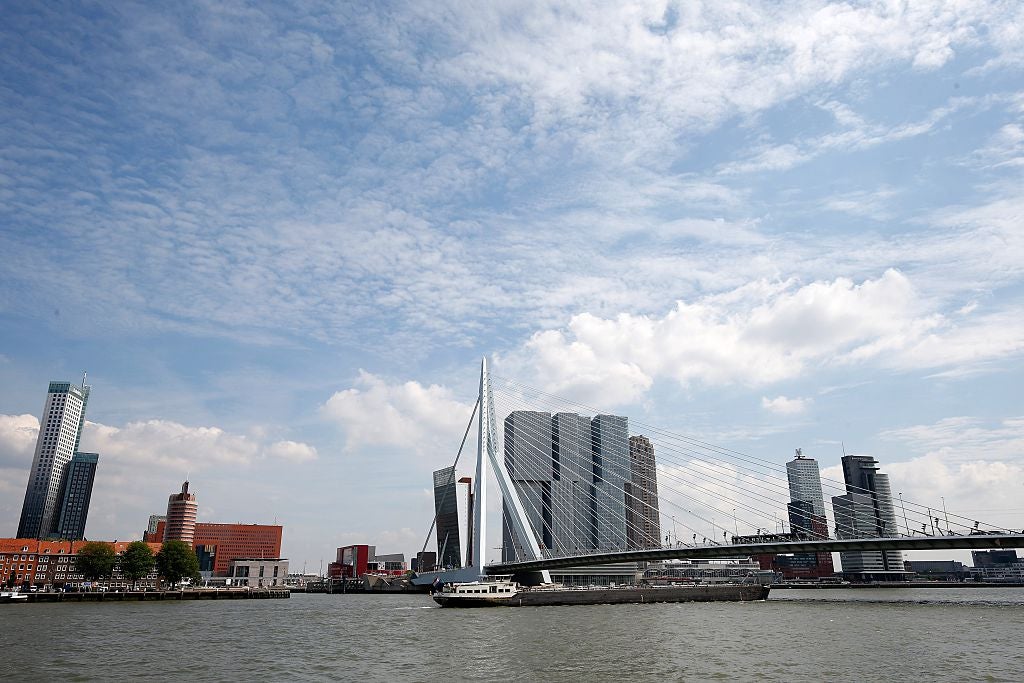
x=239, y=540
x=232, y=540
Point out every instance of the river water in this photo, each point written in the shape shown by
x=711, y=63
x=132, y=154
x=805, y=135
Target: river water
x=810, y=635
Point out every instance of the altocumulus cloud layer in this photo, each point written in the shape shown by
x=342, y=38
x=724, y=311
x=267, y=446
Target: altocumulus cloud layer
x=299, y=224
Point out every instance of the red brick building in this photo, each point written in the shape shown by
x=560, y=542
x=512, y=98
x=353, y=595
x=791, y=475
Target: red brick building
x=30, y=562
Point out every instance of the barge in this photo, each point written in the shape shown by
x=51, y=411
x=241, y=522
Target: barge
x=504, y=593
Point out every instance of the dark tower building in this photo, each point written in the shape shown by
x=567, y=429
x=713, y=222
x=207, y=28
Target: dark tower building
x=866, y=511
x=77, y=495
x=446, y=507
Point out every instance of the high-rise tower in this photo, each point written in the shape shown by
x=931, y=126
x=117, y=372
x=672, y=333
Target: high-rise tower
x=74, y=508
x=181, y=516
x=643, y=527
x=807, y=504
x=569, y=472
x=807, y=512
x=866, y=511
x=60, y=432
x=446, y=508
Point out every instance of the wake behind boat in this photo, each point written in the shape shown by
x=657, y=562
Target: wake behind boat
x=503, y=593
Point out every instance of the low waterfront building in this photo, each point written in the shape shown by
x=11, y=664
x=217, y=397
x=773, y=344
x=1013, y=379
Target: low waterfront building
x=997, y=566
x=621, y=574
x=938, y=570
x=353, y=561
x=709, y=571
x=44, y=565
x=260, y=572
x=218, y=544
x=425, y=561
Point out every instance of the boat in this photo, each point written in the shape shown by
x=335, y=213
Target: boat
x=13, y=596
x=506, y=593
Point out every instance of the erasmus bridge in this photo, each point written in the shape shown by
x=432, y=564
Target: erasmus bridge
x=578, y=491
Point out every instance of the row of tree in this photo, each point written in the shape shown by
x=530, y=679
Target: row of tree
x=176, y=561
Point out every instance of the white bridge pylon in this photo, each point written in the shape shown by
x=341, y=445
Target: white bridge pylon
x=488, y=457
x=487, y=453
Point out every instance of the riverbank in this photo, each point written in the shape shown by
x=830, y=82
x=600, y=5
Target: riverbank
x=187, y=594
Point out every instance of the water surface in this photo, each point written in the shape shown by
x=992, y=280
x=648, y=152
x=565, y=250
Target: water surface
x=889, y=634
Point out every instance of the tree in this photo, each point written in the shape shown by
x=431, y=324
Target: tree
x=137, y=561
x=95, y=560
x=176, y=561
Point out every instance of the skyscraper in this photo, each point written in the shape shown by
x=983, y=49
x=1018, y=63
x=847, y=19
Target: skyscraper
x=610, y=442
x=643, y=526
x=570, y=472
x=81, y=473
x=866, y=511
x=807, y=512
x=181, y=516
x=60, y=432
x=572, y=478
x=529, y=463
x=446, y=507
x=805, y=487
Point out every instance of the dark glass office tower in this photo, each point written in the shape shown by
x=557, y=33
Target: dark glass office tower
x=446, y=507
x=77, y=495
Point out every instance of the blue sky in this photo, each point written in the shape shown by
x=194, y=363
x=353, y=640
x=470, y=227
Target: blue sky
x=280, y=238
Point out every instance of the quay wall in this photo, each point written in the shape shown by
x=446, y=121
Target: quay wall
x=194, y=594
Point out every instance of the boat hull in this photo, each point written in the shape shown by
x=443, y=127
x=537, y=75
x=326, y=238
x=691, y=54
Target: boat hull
x=611, y=596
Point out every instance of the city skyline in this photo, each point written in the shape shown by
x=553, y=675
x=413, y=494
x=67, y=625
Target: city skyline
x=281, y=259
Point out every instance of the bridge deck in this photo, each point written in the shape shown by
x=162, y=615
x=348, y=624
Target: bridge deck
x=970, y=542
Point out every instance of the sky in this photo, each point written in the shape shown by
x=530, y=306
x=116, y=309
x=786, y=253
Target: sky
x=280, y=237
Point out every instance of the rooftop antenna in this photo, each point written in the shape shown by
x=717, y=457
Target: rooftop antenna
x=800, y=453
x=844, y=448
x=85, y=374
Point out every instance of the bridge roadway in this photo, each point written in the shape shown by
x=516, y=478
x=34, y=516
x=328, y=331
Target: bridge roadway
x=970, y=542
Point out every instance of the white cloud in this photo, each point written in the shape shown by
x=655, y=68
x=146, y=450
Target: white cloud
x=781, y=405
x=168, y=445
x=410, y=415
x=162, y=444
x=17, y=439
x=757, y=334
x=965, y=439
x=291, y=450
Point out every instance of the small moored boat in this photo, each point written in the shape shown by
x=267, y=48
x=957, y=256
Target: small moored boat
x=13, y=596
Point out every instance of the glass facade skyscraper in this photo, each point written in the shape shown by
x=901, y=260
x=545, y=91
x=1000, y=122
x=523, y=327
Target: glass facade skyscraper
x=446, y=507
x=866, y=511
x=570, y=472
x=77, y=494
x=60, y=432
